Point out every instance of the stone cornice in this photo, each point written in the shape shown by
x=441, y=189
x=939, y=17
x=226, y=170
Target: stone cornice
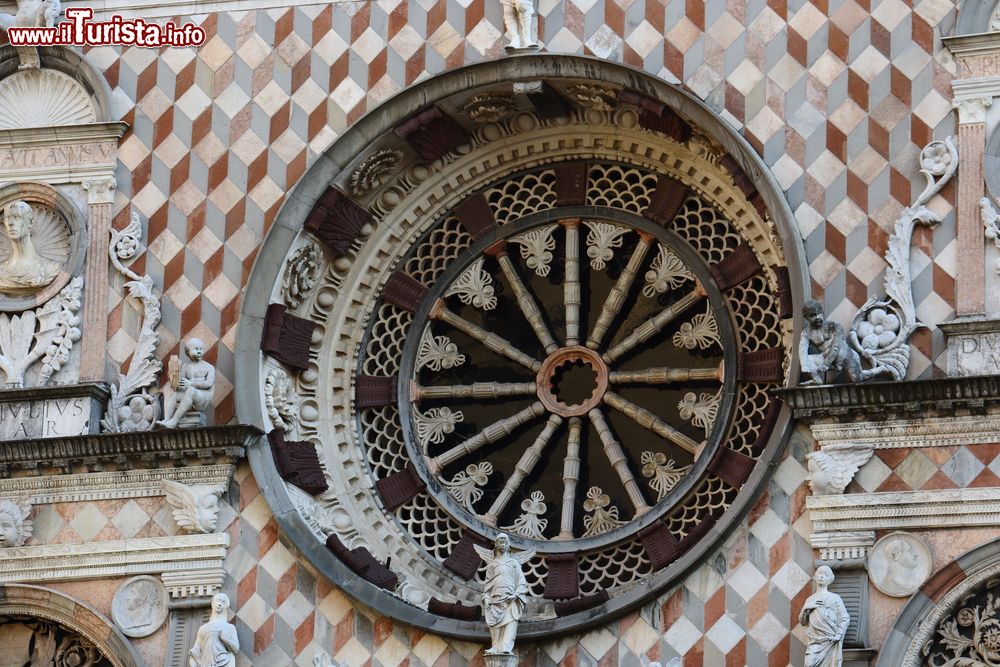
x=979, y=44
x=96, y=453
x=114, y=558
x=911, y=510
x=96, y=390
x=880, y=401
x=69, y=134
x=925, y=432
x=111, y=485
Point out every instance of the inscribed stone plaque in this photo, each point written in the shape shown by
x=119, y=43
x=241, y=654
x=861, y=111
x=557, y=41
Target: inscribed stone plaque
x=973, y=347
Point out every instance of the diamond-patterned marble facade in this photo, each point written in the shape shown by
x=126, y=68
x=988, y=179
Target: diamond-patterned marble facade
x=837, y=97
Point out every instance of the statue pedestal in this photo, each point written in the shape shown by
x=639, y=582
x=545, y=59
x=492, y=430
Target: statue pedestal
x=501, y=659
x=52, y=412
x=531, y=48
x=973, y=346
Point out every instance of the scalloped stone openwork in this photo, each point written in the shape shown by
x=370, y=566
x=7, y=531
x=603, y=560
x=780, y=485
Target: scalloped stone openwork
x=562, y=323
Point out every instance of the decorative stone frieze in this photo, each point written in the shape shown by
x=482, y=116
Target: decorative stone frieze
x=114, y=558
x=910, y=510
x=123, y=451
x=111, y=485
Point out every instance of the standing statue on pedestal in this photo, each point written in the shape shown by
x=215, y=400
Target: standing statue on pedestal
x=517, y=16
x=826, y=621
x=193, y=383
x=504, y=594
x=216, y=644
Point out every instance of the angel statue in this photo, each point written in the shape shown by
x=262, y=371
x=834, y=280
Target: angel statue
x=195, y=507
x=833, y=467
x=216, y=644
x=504, y=594
x=826, y=620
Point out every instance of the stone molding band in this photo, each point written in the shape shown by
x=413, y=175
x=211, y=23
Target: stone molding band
x=110, y=485
x=115, y=558
x=912, y=510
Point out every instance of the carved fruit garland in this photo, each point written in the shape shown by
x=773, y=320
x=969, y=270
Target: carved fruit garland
x=46, y=333
x=882, y=328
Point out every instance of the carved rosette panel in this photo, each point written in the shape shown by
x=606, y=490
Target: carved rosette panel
x=576, y=350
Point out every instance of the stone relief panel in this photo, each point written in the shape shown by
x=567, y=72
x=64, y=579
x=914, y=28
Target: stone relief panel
x=898, y=564
x=139, y=607
x=29, y=642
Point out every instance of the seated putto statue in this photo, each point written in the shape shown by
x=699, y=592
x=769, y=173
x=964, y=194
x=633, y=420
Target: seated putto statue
x=32, y=14
x=504, y=594
x=833, y=351
x=216, y=644
x=193, y=383
x=825, y=618
x=24, y=271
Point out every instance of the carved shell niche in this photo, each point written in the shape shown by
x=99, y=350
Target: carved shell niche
x=43, y=98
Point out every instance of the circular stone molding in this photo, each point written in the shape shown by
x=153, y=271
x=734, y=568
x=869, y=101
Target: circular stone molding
x=139, y=607
x=899, y=564
x=562, y=322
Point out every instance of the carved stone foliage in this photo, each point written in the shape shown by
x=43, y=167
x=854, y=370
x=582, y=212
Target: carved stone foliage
x=590, y=96
x=15, y=526
x=373, y=171
x=531, y=523
x=663, y=473
x=195, y=507
x=465, y=485
x=475, y=287
x=601, y=516
x=299, y=277
x=132, y=406
x=43, y=98
x=970, y=636
x=489, y=108
x=28, y=641
x=45, y=334
x=881, y=330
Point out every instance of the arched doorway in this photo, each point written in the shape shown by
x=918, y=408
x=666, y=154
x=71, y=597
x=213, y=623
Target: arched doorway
x=457, y=268
x=41, y=626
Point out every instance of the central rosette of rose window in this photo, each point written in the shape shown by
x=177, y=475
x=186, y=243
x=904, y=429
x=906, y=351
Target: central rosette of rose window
x=568, y=378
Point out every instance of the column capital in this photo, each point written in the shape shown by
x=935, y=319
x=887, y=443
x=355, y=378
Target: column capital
x=972, y=109
x=100, y=191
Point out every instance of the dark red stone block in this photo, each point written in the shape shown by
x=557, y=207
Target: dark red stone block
x=668, y=198
x=761, y=366
x=661, y=547
x=735, y=268
x=375, y=391
x=476, y=216
x=785, y=308
x=287, y=338
x=463, y=560
x=336, y=220
x=396, y=490
x=297, y=463
x=571, y=183
x=404, y=291
x=432, y=134
x=731, y=466
x=455, y=610
x=563, y=579
x=568, y=607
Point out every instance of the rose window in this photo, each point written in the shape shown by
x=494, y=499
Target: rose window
x=563, y=362
x=566, y=329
